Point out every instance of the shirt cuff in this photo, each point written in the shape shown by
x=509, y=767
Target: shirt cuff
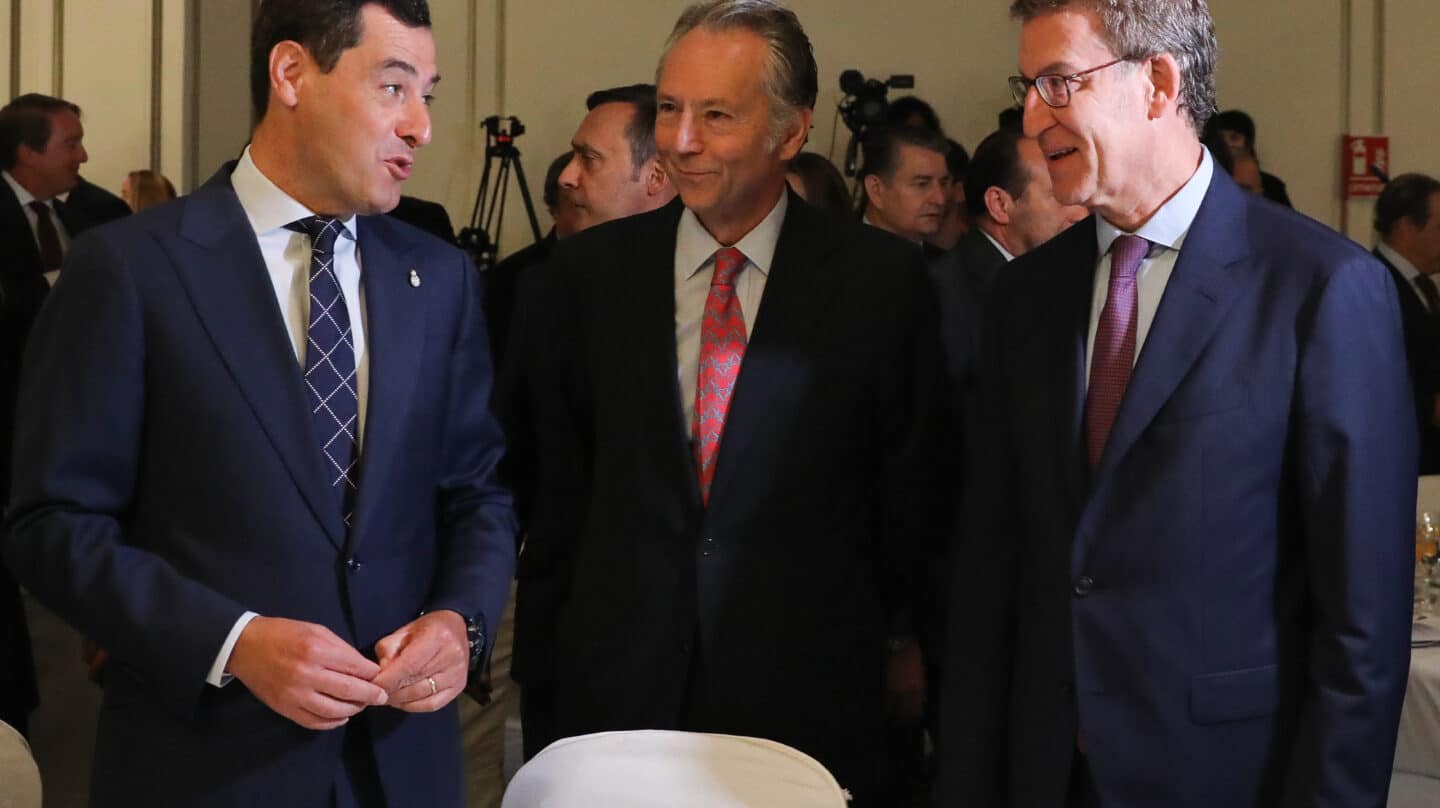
x=218, y=677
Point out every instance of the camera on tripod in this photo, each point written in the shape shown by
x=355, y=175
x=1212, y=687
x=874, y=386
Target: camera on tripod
x=865, y=100
x=482, y=238
x=863, y=106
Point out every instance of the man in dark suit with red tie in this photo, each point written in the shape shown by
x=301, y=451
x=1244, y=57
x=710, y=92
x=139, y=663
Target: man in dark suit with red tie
x=41, y=151
x=1185, y=578
x=259, y=461
x=735, y=447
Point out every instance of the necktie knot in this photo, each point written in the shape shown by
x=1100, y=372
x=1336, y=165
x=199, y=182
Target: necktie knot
x=1126, y=254
x=322, y=231
x=1428, y=290
x=728, y=263
x=40, y=208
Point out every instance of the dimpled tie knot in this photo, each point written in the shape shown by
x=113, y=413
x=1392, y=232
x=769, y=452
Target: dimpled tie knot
x=1114, y=355
x=722, y=349
x=330, y=382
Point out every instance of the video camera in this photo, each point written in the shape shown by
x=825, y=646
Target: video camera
x=864, y=103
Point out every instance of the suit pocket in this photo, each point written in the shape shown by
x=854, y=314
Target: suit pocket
x=1234, y=695
x=1187, y=405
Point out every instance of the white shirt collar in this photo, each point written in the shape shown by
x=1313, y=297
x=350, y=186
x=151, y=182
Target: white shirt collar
x=694, y=246
x=1399, y=261
x=1167, y=228
x=266, y=206
x=1003, y=252
x=21, y=193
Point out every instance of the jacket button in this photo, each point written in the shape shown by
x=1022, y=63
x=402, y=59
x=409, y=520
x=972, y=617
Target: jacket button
x=351, y=565
x=1083, y=586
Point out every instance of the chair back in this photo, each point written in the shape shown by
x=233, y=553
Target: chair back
x=664, y=769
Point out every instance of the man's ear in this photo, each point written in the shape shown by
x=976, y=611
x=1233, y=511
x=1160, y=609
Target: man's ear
x=656, y=180
x=1165, y=84
x=288, y=61
x=873, y=187
x=998, y=204
x=794, y=138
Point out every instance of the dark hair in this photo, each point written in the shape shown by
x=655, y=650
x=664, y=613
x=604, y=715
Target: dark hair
x=1010, y=116
x=823, y=182
x=550, y=191
x=996, y=164
x=957, y=160
x=1234, y=120
x=26, y=121
x=881, y=148
x=325, y=28
x=1220, y=150
x=902, y=109
x=1405, y=197
x=641, y=129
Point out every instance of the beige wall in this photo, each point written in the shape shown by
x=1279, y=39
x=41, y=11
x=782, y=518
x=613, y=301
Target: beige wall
x=1308, y=71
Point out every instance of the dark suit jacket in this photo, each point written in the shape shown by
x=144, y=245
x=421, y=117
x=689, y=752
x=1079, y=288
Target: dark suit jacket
x=502, y=283
x=764, y=614
x=426, y=215
x=1222, y=610
x=172, y=481
x=22, y=290
x=1422, y=352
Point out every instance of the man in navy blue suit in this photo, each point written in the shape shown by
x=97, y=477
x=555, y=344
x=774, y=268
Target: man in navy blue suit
x=1186, y=574
x=242, y=456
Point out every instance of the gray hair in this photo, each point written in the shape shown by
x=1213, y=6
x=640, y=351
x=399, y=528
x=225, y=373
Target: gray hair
x=791, y=79
x=1141, y=29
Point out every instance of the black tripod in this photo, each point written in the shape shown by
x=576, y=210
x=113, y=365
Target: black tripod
x=482, y=239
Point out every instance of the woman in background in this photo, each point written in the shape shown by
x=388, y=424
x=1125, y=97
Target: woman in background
x=145, y=188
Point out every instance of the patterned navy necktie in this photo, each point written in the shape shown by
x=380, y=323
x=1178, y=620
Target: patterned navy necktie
x=330, y=381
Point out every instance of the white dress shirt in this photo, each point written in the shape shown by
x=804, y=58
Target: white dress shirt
x=694, y=267
x=1406, y=269
x=287, y=259
x=1004, y=253
x=25, y=198
x=1166, y=232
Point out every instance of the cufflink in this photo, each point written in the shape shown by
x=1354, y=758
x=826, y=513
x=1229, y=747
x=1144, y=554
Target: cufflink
x=415, y=279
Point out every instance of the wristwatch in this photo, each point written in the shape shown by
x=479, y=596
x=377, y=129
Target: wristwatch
x=475, y=634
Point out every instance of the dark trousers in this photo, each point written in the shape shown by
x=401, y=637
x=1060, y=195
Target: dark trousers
x=537, y=719
x=357, y=780
x=1083, y=793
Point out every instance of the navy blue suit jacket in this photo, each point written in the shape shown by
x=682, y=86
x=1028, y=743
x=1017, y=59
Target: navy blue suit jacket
x=1221, y=611
x=166, y=479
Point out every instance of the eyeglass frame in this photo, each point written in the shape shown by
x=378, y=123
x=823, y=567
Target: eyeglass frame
x=1020, y=86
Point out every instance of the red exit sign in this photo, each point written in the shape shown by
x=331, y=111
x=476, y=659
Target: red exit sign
x=1359, y=153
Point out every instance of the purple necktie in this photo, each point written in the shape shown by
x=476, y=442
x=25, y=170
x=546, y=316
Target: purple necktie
x=1114, y=355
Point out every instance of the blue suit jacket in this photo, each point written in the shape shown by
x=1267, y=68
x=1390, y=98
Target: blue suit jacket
x=1221, y=611
x=166, y=479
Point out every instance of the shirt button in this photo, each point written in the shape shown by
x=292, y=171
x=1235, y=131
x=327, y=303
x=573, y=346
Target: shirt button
x=1083, y=586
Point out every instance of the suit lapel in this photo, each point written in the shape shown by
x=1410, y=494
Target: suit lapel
x=1073, y=288
x=394, y=336
x=220, y=266
x=20, y=238
x=797, y=293
x=1195, y=300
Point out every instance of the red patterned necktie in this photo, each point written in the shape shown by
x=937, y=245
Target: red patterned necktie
x=722, y=348
x=1114, y=355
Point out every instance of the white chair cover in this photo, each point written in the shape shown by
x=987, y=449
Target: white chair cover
x=19, y=777
x=662, y=769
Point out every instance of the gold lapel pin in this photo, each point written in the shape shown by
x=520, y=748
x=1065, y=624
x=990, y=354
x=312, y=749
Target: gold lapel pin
x=415, y=279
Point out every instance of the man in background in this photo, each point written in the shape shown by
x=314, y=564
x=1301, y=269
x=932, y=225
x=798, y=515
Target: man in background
x=1407, y=219
x=41, y=151
x=907, y=182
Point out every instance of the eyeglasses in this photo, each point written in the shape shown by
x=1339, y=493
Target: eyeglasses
x=1054, y=88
